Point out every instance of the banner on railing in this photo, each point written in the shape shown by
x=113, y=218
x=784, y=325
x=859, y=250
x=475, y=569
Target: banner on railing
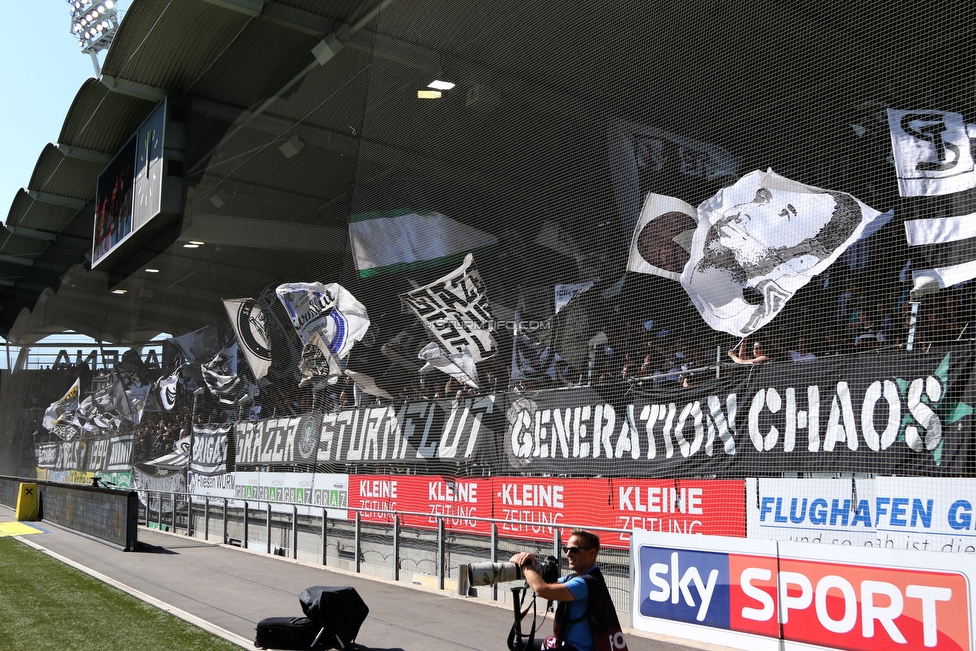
x=414, y=433
x=425, y=498
x=927, y=513
x=305, y=491
x=209, y=454
x=760, y=594
x=885, y=413
x=278, y=441
x=532, y=508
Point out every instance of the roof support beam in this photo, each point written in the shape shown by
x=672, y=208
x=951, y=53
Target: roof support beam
x=31, y=262
x=57, y=200
x=48, y=237
x=297, y=20
x=142, y=91
x=235, y=231
x=32, y=234
x=81, y=153
x=251, y=8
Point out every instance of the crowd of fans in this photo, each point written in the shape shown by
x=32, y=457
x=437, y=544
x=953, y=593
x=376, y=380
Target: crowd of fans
x=840, y=315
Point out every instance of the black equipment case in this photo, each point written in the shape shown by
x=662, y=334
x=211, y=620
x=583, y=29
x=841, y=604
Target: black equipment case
x=287, y=633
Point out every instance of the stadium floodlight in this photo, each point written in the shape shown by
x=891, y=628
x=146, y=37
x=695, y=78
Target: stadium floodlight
x=93, y=23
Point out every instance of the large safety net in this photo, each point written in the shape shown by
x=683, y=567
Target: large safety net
x=634, y=265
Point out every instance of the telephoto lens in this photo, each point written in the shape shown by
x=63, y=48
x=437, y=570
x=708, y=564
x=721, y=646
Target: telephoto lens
x=490, y=573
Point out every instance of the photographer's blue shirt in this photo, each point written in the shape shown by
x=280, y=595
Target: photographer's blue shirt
x=578, y=632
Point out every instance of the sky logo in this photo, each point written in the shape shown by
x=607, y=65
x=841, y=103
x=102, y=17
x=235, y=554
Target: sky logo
x=686, y=586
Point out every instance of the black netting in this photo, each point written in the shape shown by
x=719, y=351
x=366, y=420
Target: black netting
x=539, y=163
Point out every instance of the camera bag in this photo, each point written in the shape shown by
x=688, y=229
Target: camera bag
x=340, y=611
x=287, y=633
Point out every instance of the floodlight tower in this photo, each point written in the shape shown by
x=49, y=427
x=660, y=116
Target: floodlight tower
x=94, y=23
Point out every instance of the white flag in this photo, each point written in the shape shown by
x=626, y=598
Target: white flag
x=137, y=397
x=762, y=239
x=456, y=310
x=329, y=310
x=368, y=384
x=248, y=320
x=459, y=366
x=932, y=152
x=61, y=411
x=390, y=240
x=661, y=244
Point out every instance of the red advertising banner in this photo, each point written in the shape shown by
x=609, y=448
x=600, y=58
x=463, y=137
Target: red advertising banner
x=714, y=507
x=532, y=507
x=457, y=499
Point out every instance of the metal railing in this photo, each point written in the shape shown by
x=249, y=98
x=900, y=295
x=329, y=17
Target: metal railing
x=437, y=552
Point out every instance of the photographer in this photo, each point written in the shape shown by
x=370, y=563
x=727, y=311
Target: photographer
x=585, y=617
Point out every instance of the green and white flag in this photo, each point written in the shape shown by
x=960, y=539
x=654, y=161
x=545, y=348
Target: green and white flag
x=393, y=240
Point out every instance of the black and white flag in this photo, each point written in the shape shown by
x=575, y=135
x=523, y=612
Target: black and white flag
x=456, y=311
x=932, y=152
x=329, y=312
x=168, y=386
x=661, y=244
x=564, y=293
x=249, y=322
x=762, y=239
x=220, y=374
x=403, y=348
x=62, y=410
x=942, y=234
x=318, y=362
x=460, y=366
x=532, y=356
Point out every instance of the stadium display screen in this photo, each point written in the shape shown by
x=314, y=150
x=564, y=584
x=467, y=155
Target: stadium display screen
x=113, y=202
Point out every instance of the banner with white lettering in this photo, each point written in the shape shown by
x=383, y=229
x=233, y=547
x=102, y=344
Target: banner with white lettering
x=62, y=455
x=422, y=499
x=278, y=441
x=209, y=455
x=758, y=594
x=110, y=454
x=421, y=434
x=889, y=413
x=711, y=507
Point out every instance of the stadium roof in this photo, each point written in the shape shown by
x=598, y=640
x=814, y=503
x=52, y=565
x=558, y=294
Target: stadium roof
x=234, y=60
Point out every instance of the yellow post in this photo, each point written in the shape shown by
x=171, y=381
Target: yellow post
x=27, y=505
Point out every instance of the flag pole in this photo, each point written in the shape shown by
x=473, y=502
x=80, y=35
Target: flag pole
x=911, y=325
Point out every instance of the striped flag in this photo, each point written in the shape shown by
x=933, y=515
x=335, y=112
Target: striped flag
x=942, y=234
